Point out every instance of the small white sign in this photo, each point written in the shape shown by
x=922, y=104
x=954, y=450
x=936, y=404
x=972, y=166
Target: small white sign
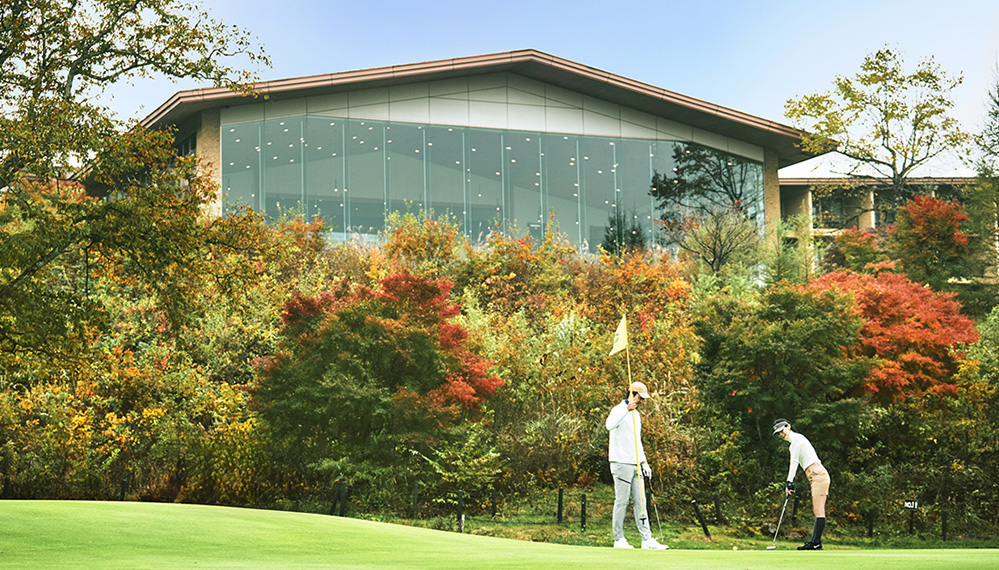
x=911, y=504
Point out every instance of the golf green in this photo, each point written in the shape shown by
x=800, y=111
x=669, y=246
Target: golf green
x=75, y=534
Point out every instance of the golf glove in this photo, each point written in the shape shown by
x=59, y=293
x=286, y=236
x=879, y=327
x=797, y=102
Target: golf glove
x=646, y=470
x=790, y=486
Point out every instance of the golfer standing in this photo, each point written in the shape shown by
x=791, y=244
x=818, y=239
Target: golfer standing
x=626, y=454
x=803, y=454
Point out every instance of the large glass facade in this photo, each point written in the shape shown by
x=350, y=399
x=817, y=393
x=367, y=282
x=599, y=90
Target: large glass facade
x=352, y=172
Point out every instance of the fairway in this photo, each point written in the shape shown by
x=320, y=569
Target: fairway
x=74, y=534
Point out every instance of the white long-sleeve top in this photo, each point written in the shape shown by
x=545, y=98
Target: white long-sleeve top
x=802, y=453
x=622, y=435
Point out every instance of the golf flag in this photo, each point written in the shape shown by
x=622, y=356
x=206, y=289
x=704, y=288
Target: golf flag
x=620, y=336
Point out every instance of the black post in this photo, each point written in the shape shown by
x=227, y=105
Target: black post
x=911, y=513
x=870, y=523
x=343, y=497
x=582, y=514
x=943, y=533
x=124, y=487
x=336, y=497
x=700, y=518
x=494, y=502
x=416, y=495
x=719, y=518
x=461, y=500
x=559, y=516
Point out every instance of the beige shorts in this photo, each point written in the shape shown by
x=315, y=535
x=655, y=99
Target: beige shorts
x=819, y=478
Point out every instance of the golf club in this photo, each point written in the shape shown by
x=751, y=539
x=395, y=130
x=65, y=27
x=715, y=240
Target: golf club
x=656, y=508
x=774, y=545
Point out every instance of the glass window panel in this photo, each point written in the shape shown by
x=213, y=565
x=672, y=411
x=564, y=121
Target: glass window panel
x=485, y=182
x=406, y=167
x=634, y=177
x=365, y=199
x=240, y=166
x=324, y=170
x=560, y=172
x=600, y=201
x=446, y=171
x=662, y=163
x=523, y=162
x=281, y=155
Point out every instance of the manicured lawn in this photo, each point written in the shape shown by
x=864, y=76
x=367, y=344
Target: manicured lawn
x=73, y=534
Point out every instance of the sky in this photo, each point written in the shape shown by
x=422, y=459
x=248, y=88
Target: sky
x=748, y=55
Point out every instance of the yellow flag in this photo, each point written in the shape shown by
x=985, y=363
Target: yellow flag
x=620, y=336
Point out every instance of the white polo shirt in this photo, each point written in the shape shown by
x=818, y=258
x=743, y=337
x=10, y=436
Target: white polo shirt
x=622, y=435
x=802, y=453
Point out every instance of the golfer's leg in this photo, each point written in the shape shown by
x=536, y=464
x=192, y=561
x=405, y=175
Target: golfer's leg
x=638, y=503
x=819, y=506
x=819, y=480
x=622, y=489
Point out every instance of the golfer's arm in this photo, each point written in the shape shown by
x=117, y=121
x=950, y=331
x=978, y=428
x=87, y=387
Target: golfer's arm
x=795, y=451
x=616, y=416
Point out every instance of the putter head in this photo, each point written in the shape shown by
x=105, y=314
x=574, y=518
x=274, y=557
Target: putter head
x=771, y=548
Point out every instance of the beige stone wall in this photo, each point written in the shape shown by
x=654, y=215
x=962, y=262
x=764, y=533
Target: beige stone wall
x=771, y=191
x=210, y=148
x=867, y=219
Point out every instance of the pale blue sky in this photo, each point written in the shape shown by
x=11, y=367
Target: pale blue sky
x=749, y=55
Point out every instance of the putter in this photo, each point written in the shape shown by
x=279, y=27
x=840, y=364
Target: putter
x=774, y=545
x=656, y=508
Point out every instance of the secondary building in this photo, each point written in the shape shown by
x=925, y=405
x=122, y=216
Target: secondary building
x=509, y=141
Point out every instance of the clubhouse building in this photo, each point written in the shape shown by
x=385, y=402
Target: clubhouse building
x=508, y=141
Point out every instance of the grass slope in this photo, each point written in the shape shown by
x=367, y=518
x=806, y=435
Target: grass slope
x=71, y=534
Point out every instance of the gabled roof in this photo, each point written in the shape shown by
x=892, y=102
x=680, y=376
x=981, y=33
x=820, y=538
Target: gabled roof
x=528, y=63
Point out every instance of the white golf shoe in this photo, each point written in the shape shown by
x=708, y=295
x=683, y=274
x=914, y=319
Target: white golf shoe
x=622, y=543
x=653, y=544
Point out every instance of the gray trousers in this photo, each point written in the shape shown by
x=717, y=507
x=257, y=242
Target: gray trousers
x=628, y=485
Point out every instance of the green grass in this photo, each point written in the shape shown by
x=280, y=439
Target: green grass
x=71, y=534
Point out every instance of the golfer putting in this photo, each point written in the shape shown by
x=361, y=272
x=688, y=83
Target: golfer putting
x=803, y=454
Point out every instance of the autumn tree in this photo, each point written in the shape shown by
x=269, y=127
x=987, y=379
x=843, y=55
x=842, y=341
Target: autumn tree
x=930, y=244
x=857, y=250
x=137, y=208
x=558, y=380
x=718, y=236
x=914, y=332
x=790, y=253
x=888, y=121
x=366, y=374
x=786, y=352
x=58, y=56
x=56, y=242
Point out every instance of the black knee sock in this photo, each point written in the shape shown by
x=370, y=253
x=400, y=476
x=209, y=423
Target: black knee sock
x=820, y=523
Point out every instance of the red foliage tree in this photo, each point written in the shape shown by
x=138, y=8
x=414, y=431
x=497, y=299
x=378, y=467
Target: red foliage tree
x=929, y=243
x=367, y=372
x=914, y=331
x=860, y=249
